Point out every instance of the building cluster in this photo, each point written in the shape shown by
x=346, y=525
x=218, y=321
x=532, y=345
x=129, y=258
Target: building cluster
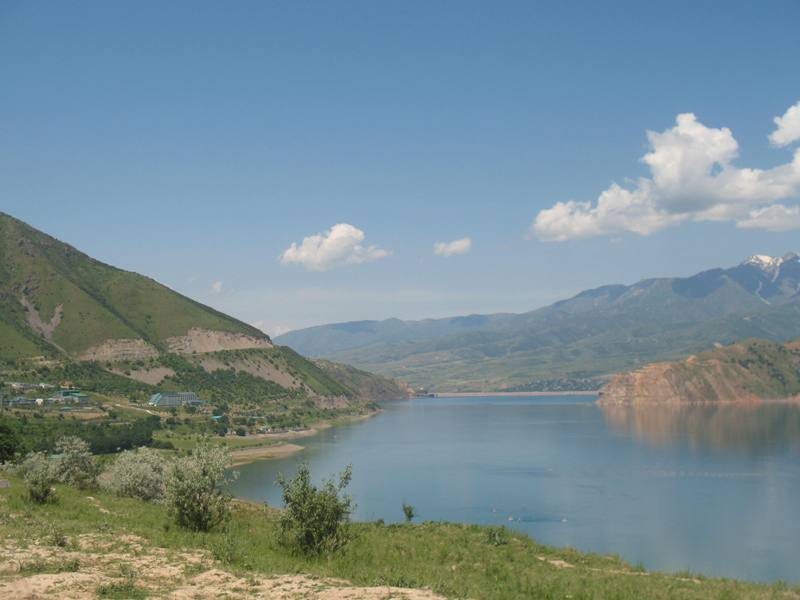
x=174, y=399
x=60, y=398
x=24, y=387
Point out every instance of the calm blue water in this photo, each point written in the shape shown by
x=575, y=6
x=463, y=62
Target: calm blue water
x=711, y=490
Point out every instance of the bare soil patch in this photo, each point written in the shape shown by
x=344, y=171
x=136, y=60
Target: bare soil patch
x=121, y=349
x=90, y=563
x=205, y=340
x=152, y=376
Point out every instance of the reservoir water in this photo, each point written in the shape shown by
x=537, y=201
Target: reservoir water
x=711, y=489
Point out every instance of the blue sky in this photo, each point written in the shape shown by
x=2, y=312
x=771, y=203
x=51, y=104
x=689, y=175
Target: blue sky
x=196, y=141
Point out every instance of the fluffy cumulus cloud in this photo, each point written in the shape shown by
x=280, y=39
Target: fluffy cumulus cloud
x=692, y=179
x=461, y=246
x=787, y=127
x=216, y=287
x=340, y=245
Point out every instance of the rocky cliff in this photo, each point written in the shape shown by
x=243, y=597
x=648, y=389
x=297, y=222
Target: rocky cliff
x=745, y=372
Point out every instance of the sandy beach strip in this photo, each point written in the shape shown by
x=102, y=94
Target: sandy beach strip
x=477, y=394
x=247, y=455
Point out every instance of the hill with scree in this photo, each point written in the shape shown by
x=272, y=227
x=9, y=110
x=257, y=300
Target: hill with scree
x=65, y=314
x=748, y=371
x=57, y=301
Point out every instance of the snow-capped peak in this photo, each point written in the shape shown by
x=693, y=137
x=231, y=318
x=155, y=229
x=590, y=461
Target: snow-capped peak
x=770, y=264
x=763, y=262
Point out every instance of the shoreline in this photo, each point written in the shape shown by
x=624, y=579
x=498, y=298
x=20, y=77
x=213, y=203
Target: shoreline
x=520, y=394
x=250, y=454
x=246, y=456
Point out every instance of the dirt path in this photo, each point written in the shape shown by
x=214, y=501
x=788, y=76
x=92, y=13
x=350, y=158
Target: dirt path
x=94, y=565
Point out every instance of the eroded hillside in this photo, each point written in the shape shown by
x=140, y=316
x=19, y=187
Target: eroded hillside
x=748, y=371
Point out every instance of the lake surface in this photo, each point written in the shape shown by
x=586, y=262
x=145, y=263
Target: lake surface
x=714, y=490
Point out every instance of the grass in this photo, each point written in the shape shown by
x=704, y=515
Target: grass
x=125, y=590
x=188, y=440
x=36, y=567
x=457, y=561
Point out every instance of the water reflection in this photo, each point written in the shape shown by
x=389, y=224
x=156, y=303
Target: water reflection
x=753, y=428
x=714, y=489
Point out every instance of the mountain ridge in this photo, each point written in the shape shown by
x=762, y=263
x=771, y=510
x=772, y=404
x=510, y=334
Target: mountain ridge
x=594, y=333
x=40, y=275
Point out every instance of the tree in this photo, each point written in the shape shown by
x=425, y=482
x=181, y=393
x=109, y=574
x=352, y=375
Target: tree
x=38, y=473
x=409, y=512
x=9, y=443
x=138, y=473
x=195, y=488
x=75, y=464
x=315, y=520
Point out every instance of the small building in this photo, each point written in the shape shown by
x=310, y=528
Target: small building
x=17, y=385
x=174, y=399
x=19, y=402
x=69, y=397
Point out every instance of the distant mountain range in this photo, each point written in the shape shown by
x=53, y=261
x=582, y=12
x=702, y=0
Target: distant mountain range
x=595, y=333
x=60, y=306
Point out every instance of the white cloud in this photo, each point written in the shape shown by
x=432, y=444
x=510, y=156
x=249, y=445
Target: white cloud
x=461, y=246
x=216, y=287
x=692, y=179
x=340, y=245
x=776, y=217
x=788, y=127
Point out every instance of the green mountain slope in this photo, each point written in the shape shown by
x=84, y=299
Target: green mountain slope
x=73, y=303
x=66, y=316
x=595, y=333
x=364, y=383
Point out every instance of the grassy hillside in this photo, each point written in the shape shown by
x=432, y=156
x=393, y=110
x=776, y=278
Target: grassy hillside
x=85, y=540
x=750, y=370
x=363, y=383
x=97, y=302
x=58, y=303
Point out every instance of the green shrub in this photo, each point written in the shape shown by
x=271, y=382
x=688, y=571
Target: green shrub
x=225, y=549
x=195, y=488
x=38, y=473
x=125, y=590
x=56, y=537
x=137, y=473
x=315, y=520
x=409, y=512
x=496, y=536
x=9, y=443
x=75, y=464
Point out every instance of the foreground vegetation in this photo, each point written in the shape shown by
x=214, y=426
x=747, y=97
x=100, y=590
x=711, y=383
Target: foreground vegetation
x=456, y=561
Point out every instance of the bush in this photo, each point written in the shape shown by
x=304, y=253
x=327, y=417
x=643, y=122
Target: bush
x=139, y=474
x=38, y=473
x=497, y=536
x=75, y=464
x=409, y=512
x=315, y=519
x=9, y=443
x=195, y=486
